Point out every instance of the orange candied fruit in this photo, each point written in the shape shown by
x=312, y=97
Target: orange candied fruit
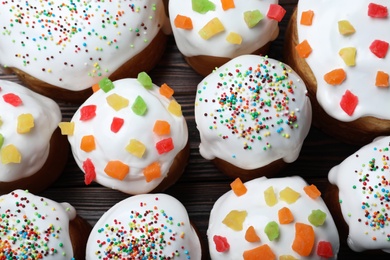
x=304, y=49
x=307, y=17
x=238, y=187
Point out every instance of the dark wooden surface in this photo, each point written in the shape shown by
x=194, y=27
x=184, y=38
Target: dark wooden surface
x=202, y=184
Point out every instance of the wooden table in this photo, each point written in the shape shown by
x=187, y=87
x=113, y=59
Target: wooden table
x=202, y=184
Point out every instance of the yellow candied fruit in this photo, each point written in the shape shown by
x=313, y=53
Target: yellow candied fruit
x=67, y=128
x=25, y=123
x=348, y=55
x=117, y=102
x=289, y=195
x=270, y=197
x=174, y=108
x=212, y=28
x=10, y=154
x=234, y=38
x=345, y=27
x=235, y=219
x=136, y=148
x=287, y=257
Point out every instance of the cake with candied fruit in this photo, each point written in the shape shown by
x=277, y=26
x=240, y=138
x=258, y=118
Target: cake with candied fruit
x=61, y=49
x=33, y=153
x=253, y=115
x=276, y=218
x=145, y=226
x=130, y=135
x=209, y=32
x=340, y=49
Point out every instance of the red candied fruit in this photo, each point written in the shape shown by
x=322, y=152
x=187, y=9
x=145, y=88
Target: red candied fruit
x=164, y=146
x=87, y=112
x=324, y=249
x=221, y=244
x=377, y=11
x=89, y=170
x=379, y=48
x=276, y=12
x=349, y=102
x=12, y=99
x=116, y=124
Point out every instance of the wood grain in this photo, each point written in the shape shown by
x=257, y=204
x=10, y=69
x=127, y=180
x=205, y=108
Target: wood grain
x=201, y=184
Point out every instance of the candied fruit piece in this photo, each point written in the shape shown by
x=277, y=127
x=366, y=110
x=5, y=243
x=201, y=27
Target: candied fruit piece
x=136, y=148
x=285, y=216
x=25, y=123
x=116, y=124
x=117, y=170
x=252, y=18
x=382, y=79
x=221, y=243
x=335, y=77
x=166, y=91
x=276, y=12
x=324, y=249
x=202, y=6
x=1, y=140
x=67, y=128
x=139, y=106
x=87, y=112
x=235, y=219
x=234, y=38
x=307, y=17
x=238, y=187
x=10, y=154
x=377, y=11
x=317, y=217
x=227, y=4
x=89, y=170
x=12, y=99
x=270, y=197
x=183, y=22
x=348, y=55
x=304, y=239
x=174, y=108
x=88, y=143
x=272, y=230
x=152, y=171
x=345, y=27
x=212, y=28
x=145, y=80
x=303, y=49
x=106, y=85
x=117, y=102
x=349, y=102
x=161, y=127
x=251, y=236
x=263, y=252
x=379, y=48
x=312, y=191
x=289, y=195
x=164, y=146
x=287, y=257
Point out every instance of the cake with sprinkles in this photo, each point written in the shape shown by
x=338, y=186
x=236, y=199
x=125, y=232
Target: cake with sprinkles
x=34, y=227
x=340, y=50
x=211, y=32
x=61, y=49
x=130, y=135
x=146, y=226
x=253, y=115
x=33, y=152
x=276, y=218
x=362, y=197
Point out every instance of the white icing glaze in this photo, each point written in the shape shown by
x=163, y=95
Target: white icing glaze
x=191, y=44
x=47, y=233
x=74, y=45
x=34, y=145
x=258, y=113
x=259, y=214
x=121, y=231
x=112, y=146
x=326, y=42
x=362, y=180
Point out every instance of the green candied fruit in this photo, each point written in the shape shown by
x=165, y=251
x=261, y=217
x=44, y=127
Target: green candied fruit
x=1, y=140
x=252, y=18
x=106, y=84
x=139, y=107
x=202, y=6
x=317, y=217
x=145, y=80
x=272, y=230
